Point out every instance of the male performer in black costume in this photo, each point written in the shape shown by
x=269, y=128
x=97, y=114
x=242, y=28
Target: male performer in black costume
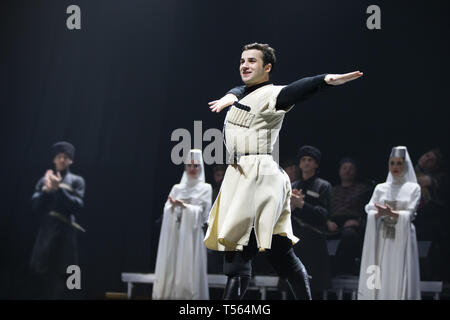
x=310, y=214
x=252, y=210
x=57, y=199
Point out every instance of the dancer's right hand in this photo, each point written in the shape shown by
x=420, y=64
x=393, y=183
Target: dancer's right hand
x=55, y=180
x=383, y=210
x=176, y=202
x=332, y=226
x=51, y=182
x=47, y=183
x=222, y=103
x=297, y=199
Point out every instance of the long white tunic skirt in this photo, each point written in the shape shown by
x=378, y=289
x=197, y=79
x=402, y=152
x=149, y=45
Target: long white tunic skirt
x=181, y=265
x=256, y=191
x=390, y=267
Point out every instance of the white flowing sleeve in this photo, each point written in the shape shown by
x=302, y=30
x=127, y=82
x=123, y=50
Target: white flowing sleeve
x=371, y=210
x=203, y=206
x=194, y=211
x=172, y=193
x=413, y=203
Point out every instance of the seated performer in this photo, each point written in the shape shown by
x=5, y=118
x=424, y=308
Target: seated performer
x=252, y=209
x=347, y=215
x=181, y=268
x=390, y=259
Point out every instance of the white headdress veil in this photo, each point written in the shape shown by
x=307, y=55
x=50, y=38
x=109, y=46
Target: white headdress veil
x=408, y=172
x=196, y=156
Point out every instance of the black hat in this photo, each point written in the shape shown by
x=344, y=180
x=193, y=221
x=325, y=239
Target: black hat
x=289, y=162
x=65, y=147
x=348, y=159
x=309, y=151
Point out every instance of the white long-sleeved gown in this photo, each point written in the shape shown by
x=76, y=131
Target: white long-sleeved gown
x=390, y=267
x=181, y=265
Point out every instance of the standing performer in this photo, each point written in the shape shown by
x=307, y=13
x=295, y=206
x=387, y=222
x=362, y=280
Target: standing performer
x=181, y=268
x=58, y=198
x=390, y=259
x=252, y=209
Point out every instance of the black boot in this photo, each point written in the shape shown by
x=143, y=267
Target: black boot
x=236, y=287
x=298, y=282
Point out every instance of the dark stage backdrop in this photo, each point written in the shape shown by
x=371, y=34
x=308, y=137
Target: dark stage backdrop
x=137, y=70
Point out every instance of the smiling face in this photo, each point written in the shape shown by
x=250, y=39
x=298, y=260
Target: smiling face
x=397, y=166
x=62, y=161
x=252, y=68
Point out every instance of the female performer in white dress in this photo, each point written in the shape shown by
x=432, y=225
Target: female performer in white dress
x=181, y=268
x=390, y=259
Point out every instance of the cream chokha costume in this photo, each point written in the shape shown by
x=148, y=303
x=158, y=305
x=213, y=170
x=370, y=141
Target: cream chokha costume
x=255, y=191
x=252, y=211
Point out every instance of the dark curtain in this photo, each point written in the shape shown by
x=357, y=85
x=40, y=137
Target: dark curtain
x=137, y=70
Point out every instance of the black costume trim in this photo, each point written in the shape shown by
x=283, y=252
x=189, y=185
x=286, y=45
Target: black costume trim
x=242, y=106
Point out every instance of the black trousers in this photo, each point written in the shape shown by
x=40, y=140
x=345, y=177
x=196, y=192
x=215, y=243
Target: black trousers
x=281, y=256
x=349, y=251
x=54, y=250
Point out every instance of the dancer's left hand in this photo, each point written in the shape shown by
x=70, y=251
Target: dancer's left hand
x=391, y=211
x=337, y=79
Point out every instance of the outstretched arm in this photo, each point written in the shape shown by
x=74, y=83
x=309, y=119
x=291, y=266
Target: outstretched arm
x=304, y=88
x=237, y=91
x=338, y=79
x=293, y=93
x=226, y=101
x=300, y=90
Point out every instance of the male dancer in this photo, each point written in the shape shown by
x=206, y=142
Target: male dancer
x=58, y=198
x=252, y=209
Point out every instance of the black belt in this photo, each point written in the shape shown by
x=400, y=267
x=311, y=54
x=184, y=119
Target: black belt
x=64, y=219
x=236, y=156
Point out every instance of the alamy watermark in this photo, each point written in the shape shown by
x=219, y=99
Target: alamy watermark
x=237, y=142
x=374, y=279
x=74, y=280
x=74, y=20
x=374, y=20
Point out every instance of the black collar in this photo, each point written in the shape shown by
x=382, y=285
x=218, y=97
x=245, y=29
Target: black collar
x=312, y=178
x=256, y=86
